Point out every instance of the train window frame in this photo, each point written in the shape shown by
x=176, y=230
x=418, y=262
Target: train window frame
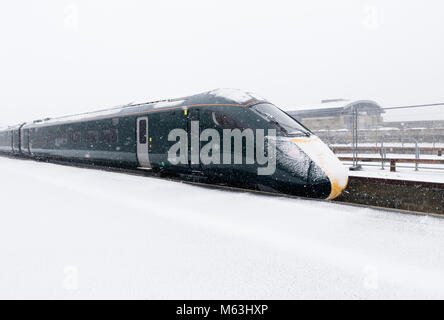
x=110, y=135
x=75, y=136
x=280, y=119
x=92, y=136
x=143, y=131
x=61, y=137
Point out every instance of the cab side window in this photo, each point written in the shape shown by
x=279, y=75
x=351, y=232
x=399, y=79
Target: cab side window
x=222, y=120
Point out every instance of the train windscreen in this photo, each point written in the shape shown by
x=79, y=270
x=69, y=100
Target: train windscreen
x=280, y=119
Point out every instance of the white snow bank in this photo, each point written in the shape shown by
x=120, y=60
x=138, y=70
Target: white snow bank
x=75, y=233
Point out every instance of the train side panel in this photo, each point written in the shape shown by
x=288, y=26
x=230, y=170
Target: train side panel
x=6, y=141
x=107, y=140
x=160, y=125
x=24, y=142
x=16, y=140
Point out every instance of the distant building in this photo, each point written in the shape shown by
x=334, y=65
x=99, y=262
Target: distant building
x=337, y=114
x=332, y=121
x=418, y=117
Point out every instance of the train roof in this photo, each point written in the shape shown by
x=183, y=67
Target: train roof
x=9, y=128
x=215, y=97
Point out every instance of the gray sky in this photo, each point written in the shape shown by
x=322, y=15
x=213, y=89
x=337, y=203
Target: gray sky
x=60, y=57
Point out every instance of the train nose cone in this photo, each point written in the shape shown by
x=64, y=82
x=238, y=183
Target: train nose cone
x=328, y=171
x=318, y=181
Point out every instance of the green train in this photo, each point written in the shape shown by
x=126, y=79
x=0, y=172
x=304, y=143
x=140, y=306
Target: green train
x=222, y=136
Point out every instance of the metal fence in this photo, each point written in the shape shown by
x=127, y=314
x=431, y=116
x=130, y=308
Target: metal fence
x=424, y=145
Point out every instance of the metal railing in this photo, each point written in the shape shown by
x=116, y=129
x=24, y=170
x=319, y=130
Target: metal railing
x=383, y=149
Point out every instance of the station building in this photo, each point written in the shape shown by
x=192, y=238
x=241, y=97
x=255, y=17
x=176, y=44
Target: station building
x=337, y=114
x=332, y=121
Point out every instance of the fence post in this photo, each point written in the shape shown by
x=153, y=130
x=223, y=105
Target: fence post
x=355, y=137
x=382, y=155
x=392, y=165
x=416, y=155
x=434, y=136
x=402, y=135
x=356, y=165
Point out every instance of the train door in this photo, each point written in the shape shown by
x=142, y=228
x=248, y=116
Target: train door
x=194, y=140
x=25, y=141
x=12, y=141
x=142, y=142
x=16, y=140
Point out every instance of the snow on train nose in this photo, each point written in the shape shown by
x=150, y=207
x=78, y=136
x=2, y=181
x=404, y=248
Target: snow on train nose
x=322, y=156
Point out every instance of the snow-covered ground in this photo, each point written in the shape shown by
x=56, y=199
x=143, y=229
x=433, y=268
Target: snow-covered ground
x=404, y=171
x=388, y=145
x=75, y=233
x=393, y=156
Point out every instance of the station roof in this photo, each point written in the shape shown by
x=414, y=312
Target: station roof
x=337, y=107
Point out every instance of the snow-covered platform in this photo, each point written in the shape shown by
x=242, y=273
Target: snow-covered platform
x=67, y=232
x=435, y=176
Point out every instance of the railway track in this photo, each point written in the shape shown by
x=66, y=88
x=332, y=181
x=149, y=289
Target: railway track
x=223, y=187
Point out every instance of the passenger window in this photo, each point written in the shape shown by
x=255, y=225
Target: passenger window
x=92, y=136
x=75, y=136
x=142, y=131
x=110, y=135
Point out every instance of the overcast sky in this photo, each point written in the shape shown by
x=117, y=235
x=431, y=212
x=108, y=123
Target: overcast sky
x=60, y=57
